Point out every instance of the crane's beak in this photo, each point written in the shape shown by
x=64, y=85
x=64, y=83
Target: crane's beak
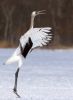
x=41, y=12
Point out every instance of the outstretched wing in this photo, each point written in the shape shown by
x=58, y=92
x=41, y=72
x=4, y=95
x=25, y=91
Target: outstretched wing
x=41, y=36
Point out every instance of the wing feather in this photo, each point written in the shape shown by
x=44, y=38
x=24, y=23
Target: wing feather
x=39, y=37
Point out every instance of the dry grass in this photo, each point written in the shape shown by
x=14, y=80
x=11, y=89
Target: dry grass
x=5, y=44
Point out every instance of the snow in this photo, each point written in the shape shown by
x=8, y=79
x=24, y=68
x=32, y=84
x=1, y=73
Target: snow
x=45, y=75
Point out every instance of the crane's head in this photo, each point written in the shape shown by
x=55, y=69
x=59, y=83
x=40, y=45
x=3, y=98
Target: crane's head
x=35, y=13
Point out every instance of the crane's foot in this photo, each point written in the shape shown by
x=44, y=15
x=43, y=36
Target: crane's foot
x=14, y=90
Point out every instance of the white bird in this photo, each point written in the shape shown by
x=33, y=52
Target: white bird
x=34, y=37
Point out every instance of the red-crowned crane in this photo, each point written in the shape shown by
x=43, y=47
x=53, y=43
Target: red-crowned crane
x=34, y=37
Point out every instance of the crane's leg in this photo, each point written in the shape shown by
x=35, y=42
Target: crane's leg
x=15, y=84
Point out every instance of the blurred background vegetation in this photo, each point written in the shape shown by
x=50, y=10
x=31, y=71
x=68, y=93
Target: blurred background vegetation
x=15, y=20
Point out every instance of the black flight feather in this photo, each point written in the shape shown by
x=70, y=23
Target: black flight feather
x=25, y=50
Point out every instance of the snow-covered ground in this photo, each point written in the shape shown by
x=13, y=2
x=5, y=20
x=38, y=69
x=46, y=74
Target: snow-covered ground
x=45, y=75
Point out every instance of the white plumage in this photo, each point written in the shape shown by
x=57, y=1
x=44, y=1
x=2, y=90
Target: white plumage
x=34, y=37
x=39, y=37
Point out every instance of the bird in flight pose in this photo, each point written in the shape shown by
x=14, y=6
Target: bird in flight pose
x=34, y=37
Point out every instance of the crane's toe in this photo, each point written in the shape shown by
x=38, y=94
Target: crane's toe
x=15, y=91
